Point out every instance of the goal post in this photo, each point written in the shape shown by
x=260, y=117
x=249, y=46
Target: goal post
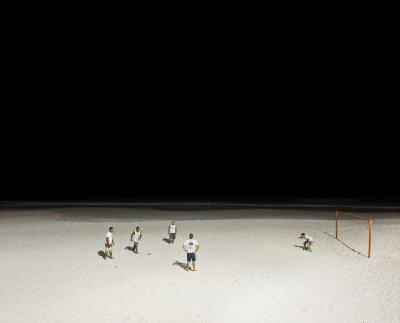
x=369, y=220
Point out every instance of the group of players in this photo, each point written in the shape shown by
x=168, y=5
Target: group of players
x=190, y=246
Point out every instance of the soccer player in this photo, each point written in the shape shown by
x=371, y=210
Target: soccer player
x=135, y=237
x=172, y=232
x=109, y=242
x=191, y=246
x=309, y=241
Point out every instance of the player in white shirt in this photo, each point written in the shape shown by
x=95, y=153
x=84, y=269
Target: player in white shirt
x=109, y=243
x=135, y=237
x=309, y=241
x=172, y=231
x=191, y=246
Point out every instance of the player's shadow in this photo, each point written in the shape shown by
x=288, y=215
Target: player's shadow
x=166, y=240
x=180, y=264
x=347, y=246
x=129, y=248
x=102, y=254
x=301, y=247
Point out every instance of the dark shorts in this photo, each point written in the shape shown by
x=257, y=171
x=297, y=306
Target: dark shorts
x=172, y=236
x=191, y=257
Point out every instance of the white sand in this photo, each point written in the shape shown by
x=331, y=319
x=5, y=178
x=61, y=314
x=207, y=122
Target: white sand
x=248, y=269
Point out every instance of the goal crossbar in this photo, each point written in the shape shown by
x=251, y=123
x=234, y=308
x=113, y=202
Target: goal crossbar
x=338, y=213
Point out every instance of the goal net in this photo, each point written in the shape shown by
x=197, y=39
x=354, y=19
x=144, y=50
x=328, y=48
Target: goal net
x=354, y=231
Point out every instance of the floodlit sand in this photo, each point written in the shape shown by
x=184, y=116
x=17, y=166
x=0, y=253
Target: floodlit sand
x=249, y=269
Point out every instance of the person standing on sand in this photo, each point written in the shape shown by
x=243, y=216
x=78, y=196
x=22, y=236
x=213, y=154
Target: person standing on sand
x=135, y=237
x=191, y=246
x=109, y=243
x=172, y=232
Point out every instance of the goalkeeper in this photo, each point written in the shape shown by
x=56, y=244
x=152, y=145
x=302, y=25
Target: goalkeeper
x=308, y=241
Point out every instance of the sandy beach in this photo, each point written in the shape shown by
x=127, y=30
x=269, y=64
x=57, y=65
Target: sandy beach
x=250, y=267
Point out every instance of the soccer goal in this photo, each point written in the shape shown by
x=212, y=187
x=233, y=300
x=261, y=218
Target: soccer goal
x=350, y=215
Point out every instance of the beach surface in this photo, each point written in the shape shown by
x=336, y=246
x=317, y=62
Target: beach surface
x=251, y=267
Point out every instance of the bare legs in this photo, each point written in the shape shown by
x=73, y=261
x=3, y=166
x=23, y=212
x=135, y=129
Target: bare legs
x=188, y=266
x=108, y=254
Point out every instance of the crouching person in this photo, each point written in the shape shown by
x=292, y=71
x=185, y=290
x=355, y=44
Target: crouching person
x=308, y=241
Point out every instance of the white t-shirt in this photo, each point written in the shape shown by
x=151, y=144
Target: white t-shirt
x=308, y=238
x=190, y=245
x=109, y=236
x=136, y=236
x=172, y=228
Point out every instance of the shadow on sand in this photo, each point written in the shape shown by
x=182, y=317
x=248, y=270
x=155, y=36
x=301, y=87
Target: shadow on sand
x=180, y=264
x=166, y=240
x=347, y=246
x=102, y=254
x=129, y=248
x=302, y=247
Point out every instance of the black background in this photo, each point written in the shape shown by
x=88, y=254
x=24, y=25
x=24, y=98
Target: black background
x=203, y=156
x=279, y=114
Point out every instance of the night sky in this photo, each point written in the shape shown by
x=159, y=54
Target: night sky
x=211, y=133
x=241, y=161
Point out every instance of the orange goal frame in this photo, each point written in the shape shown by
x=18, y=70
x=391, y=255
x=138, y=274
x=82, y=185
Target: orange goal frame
x=338, y=213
